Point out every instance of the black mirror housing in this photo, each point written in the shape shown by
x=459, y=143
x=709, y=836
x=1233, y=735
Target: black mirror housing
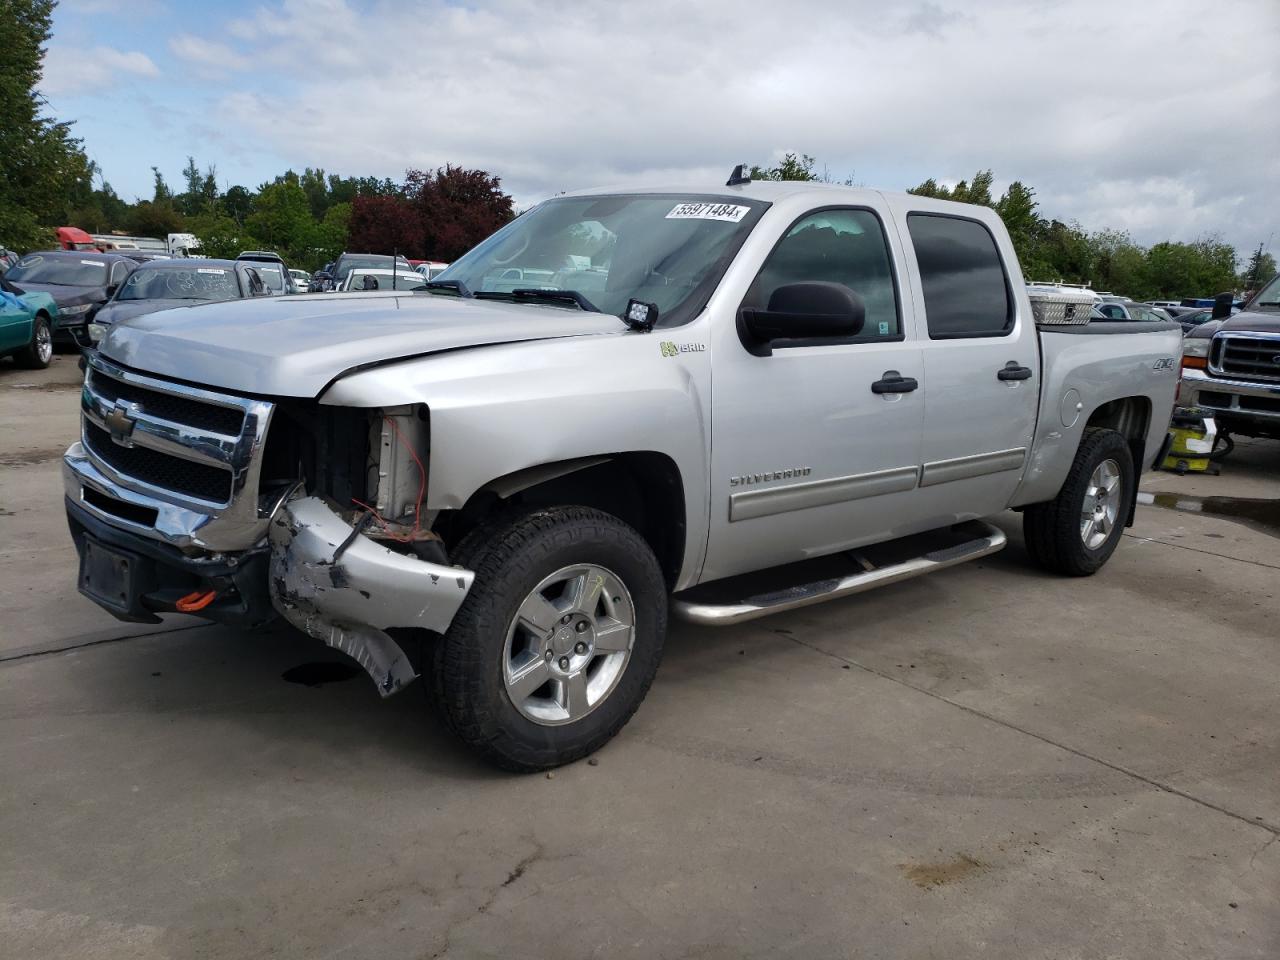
x=1222, y=304
x=814, y=310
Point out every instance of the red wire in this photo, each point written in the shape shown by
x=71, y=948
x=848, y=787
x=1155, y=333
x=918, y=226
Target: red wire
x=422, y=491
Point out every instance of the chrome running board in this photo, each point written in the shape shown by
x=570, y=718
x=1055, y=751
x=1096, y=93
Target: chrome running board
x=989, y=540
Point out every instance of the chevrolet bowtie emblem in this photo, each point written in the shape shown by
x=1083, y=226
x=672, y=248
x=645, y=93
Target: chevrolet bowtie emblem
x=121, y=425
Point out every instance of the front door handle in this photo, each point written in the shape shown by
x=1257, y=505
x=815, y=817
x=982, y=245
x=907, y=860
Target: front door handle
x=894, y=382
x=1014, y=371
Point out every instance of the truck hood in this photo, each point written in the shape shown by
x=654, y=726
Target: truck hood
x=1253, y=321
x=295, y=346
x=1248, y=321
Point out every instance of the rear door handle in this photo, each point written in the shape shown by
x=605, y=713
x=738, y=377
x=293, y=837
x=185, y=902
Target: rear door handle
x=1014, y=371
x=894, y=382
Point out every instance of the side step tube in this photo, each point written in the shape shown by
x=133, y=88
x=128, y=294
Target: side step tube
x=762, y=605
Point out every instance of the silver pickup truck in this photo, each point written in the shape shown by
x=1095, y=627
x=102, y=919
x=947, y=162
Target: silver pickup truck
x=717, y=403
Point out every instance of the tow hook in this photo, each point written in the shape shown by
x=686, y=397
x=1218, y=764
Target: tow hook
x=196, y=600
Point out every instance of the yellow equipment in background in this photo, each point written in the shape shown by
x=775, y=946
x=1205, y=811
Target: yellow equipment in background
x=1194, y=437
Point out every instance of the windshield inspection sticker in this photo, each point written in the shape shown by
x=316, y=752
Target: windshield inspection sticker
x=729, y=212
x=219, y=271
x=90, y=263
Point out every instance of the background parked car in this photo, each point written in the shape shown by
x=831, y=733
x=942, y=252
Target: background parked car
x=272, y=270
x=349, y=261
x=79, y=282
x=7, y=259
x=301, y=280
x=1128, y=310
x=379, y=278
x=1190, y=319
x=165, y=284
x=431, y=268
x=26, y=325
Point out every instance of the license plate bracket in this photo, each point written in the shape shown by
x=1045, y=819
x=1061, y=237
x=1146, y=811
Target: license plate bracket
x=111, y=578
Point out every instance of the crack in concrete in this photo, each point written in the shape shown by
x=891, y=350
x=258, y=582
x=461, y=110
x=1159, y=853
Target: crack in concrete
x=491, y=897
x=1074, y=751
x=91, y=640
x=1207, y=553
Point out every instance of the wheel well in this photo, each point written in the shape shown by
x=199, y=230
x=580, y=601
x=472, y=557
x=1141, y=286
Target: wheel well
x=643, y=489
x=1130, y=417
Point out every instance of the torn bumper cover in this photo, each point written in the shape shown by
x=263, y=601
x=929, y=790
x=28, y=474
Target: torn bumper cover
x=341, y=587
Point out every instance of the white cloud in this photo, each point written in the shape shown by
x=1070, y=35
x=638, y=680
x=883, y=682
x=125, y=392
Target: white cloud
x=69, y=71
x=1155, y=116
x=207, y=56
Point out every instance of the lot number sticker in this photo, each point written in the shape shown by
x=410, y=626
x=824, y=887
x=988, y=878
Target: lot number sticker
x=728, y=212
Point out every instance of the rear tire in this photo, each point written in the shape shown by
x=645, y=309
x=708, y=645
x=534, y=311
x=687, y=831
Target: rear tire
x=558, y=639
x=1076, y=532
x=38, y=353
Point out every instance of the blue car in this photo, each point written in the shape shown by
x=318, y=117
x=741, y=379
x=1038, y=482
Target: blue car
x=26, y=325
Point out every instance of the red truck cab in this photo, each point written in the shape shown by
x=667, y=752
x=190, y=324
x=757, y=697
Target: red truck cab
x=73, y=238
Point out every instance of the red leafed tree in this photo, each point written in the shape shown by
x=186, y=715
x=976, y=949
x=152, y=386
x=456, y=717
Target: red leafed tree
x=385, y=224
x=457, y=208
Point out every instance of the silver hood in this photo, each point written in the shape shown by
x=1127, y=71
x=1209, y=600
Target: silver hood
x=295, y=346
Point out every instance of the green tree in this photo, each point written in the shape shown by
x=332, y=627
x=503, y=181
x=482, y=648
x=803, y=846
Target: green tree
x=791, y=167
x=162, y=191
x=237, y=203
x=1260, y=268
x=220, y=235
x=41, y=164
x=154, y=218
x=282, y=221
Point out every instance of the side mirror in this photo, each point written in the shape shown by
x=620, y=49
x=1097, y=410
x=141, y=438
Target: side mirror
x=111, y=290
x=257, y=287
x=815, y=310
x=1222, y=304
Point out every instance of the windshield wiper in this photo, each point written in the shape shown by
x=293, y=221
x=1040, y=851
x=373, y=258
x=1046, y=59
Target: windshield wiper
x=457, y=286
x=568, y=296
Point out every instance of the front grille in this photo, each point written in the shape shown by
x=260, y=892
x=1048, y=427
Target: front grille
x=166, y=406
x=1252, y=358
x=159, y=469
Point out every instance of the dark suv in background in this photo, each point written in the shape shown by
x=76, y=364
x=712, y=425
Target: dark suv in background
x=79, y=281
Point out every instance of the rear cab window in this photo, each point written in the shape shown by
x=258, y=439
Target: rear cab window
x=966, y=289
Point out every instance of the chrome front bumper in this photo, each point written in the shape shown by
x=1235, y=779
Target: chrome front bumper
x=339, y=586
x=1237, y=395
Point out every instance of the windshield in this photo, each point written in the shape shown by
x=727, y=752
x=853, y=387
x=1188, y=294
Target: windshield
x=61, y=271
x=665, y=249
x=194, y=283
x=1269, y=296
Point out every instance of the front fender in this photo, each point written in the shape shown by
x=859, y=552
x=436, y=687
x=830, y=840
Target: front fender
x=497, y=410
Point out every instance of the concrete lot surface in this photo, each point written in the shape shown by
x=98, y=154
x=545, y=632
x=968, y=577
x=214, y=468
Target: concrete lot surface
x=990, y=762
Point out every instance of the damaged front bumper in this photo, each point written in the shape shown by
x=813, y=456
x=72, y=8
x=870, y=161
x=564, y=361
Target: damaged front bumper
x=337, y=585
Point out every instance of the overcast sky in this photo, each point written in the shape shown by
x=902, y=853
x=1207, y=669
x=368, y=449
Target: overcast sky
x=1159, y=117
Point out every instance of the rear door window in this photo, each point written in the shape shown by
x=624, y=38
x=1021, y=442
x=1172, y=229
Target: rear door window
x=966, y=292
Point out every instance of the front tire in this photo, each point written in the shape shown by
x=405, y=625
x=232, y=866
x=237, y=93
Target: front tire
x=38, y=353
x=558, y=640
x=1076, y=532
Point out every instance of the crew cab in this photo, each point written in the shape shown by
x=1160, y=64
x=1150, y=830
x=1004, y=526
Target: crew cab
x=1231, y=365
x=530, y=478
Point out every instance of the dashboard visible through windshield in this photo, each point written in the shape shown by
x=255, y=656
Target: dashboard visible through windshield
x=665, y=249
